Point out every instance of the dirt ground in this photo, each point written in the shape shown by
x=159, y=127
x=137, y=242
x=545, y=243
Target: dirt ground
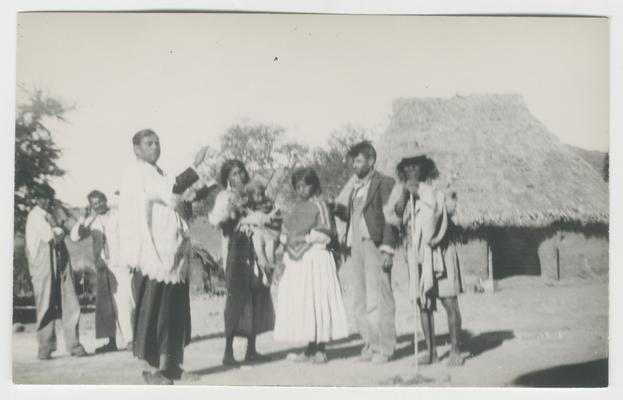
x=529, y=333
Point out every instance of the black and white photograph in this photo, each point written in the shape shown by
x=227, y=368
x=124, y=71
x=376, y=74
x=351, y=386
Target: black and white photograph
x=281, y=199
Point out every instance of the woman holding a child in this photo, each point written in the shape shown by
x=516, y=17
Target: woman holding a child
x=248, y=309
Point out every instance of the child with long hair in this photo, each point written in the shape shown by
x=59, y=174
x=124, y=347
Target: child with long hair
x=310, y=308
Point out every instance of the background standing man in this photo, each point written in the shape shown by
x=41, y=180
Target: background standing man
x=52, y=277
x=424, y=212
x=370, y=242
x=114, y=298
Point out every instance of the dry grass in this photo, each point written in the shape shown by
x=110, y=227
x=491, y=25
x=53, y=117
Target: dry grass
x=506, y=167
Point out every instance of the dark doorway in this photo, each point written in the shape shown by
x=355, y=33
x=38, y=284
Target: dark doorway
x=515, y=252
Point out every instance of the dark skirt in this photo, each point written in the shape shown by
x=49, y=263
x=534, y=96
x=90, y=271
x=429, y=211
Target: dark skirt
x=161, y=319
x=249, y=308
x=105, y=316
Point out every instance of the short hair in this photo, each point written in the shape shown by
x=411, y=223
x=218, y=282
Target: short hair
x=308, y=176
x=43, y=191
x=255, y=185
x=140, y=135
x=226, y=168
x=365, y=148
x=97, y=194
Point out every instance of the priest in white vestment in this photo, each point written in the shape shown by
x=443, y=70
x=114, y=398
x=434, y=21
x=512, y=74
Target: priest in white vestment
x=155, y=244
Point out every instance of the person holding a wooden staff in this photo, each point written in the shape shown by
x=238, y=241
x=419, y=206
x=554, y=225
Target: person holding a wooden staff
x=52, y=277
x=423, y=213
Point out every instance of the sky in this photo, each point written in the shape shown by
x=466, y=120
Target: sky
x=190, y=76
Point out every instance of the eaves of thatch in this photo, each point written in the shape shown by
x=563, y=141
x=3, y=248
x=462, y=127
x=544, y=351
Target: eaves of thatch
x=507, y=169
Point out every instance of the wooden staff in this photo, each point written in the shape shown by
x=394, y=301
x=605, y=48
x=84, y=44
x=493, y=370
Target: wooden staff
x=415, y=281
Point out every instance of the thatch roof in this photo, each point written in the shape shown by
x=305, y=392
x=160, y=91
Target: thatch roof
x=595, y=158
x=505, y=166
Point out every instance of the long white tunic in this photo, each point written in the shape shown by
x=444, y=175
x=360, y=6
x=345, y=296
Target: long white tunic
x=108, y=226
x=41, y=258
x=38, y=236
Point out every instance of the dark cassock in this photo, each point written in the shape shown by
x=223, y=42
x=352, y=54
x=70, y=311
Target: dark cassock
x=155, y=244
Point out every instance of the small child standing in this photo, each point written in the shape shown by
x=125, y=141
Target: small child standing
x=310, y=308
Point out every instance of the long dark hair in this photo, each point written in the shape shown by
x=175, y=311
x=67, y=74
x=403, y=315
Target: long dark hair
x=307, y=175
x=226, y=168
x=427, y=168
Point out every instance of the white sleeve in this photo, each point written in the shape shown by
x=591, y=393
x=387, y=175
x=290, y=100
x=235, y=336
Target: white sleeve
x=38, y=233
x=389, y=210
x=96, y=224
x=344, y=196
x=223, y=207
x=315, y=236
x=159, y=189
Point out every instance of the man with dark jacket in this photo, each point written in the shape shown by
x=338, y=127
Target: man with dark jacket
x=370, y=242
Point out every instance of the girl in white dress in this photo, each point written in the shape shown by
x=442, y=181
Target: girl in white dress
x=310, y=308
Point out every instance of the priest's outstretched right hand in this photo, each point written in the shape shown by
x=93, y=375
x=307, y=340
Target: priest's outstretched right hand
x=200, y=156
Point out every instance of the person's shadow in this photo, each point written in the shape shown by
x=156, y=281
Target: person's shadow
x=278, y=355
x=355, y=350
x=474, y=345
x=209, y=336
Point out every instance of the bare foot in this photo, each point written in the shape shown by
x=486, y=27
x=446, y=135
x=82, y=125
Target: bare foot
x=455, y=359
x=427, y=359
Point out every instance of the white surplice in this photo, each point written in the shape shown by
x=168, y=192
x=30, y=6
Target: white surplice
x=154, y=237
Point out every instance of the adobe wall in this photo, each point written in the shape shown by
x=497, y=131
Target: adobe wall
x=580, y=255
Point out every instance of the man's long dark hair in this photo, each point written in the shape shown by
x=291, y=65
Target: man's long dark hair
x=427, y=168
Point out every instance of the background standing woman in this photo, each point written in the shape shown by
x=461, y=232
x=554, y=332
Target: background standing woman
x=248, y=309
x=309, y=304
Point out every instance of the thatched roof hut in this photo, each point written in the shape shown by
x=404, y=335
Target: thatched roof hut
x=595, y=158
x=507, y=169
